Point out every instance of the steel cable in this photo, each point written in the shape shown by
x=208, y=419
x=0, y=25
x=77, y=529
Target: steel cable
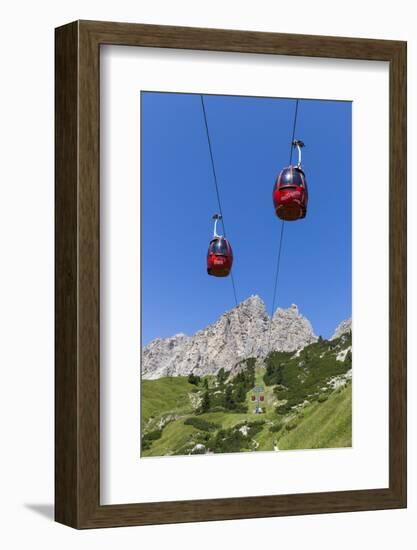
x=278, y=264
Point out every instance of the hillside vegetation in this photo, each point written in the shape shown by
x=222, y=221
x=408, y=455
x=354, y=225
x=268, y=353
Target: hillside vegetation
x=307, y=404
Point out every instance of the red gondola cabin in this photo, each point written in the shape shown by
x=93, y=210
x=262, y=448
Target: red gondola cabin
x=219, y=257
x=290, y=194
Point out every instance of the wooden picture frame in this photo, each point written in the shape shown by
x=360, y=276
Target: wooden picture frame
x=77, y=374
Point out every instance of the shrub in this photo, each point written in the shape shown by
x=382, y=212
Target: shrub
x=201, y=424
x=283, y=409
x=286, y=408
x=206, y=402
x=222, y=376
x=259, y=422
x=229, y=401
x=276, y=427
x=152, y=436
x=291, y=425
x=193, y=379
x=149, y=437
x=228, y=441
x=240, y=408
x=217, y=408
x=253, y=427
x=283, y=372
x=322, y=398
x=198, y=451
x=233, y=440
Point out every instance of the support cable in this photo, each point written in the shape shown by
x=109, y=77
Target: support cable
x=281, y=238
x=217, y=189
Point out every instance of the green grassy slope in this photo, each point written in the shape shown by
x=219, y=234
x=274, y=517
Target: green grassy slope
x=165, y=395
x=319, y=425
x=307, y=404
x=324, y=425
x=176, y=435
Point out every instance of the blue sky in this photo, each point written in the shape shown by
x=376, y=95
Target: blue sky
x=250, y=140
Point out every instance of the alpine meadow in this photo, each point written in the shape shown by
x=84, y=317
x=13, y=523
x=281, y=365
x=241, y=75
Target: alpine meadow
x=306, y=389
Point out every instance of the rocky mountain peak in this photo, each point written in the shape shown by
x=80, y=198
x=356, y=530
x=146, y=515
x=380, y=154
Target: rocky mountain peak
x=342, y=328
x=244, y=331
x=253, y=303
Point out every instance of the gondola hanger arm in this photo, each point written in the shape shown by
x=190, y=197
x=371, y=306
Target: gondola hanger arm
x=298, y=144
x=216, y=218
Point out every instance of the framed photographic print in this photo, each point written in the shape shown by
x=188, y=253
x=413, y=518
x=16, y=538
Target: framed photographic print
x=230, y=274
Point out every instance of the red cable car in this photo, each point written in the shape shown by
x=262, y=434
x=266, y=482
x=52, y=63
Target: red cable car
x=290, y=193
x=219, y=255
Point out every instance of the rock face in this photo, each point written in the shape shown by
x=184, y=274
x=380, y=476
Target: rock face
x=342, y=328
x=244, y=331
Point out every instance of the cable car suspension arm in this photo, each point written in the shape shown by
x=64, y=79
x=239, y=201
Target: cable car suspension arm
x=216, y=218
x=298, y=143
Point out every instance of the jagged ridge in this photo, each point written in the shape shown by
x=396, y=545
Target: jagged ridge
x=244, y=331
x=343, y=328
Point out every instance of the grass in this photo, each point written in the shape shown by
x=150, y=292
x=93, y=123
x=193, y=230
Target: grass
x=174, y=436
x=325, y=425
x=171, y=408
x=318, y=425
x=165, y=395
x=227, y=419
